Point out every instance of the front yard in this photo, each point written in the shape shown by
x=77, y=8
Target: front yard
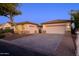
x=9, y=36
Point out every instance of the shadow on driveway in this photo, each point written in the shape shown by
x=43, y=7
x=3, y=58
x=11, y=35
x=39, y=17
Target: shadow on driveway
x=7, y=49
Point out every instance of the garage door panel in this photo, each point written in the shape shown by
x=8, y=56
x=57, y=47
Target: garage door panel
x=56, y=30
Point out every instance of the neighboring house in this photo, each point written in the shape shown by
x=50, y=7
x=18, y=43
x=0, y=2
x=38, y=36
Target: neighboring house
x=6, y=25
x=56, y=26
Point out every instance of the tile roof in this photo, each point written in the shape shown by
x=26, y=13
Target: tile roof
x=56, y=21
x=26, y=23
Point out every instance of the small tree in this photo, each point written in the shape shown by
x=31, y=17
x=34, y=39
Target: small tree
x=75, y=16
x=9, y=10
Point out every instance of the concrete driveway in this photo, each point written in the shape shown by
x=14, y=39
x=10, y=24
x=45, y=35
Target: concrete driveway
x=46, y=44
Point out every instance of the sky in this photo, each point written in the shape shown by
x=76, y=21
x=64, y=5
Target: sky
x=42, y=12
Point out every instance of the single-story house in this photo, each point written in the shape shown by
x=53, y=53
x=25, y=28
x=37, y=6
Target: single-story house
x=56, y=26
x=27, y=27
x=22, y=27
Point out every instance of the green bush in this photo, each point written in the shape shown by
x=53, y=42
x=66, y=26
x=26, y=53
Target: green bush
x=76, y=24
x=7, y=30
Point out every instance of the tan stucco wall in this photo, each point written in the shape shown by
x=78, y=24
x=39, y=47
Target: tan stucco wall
x=18, y=28
x=27, y=28
x=32, y=28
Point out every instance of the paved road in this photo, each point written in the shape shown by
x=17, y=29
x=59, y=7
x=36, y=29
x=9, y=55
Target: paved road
x=47, y=44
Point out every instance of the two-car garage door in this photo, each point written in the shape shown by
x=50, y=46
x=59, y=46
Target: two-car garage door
x=56, y=29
